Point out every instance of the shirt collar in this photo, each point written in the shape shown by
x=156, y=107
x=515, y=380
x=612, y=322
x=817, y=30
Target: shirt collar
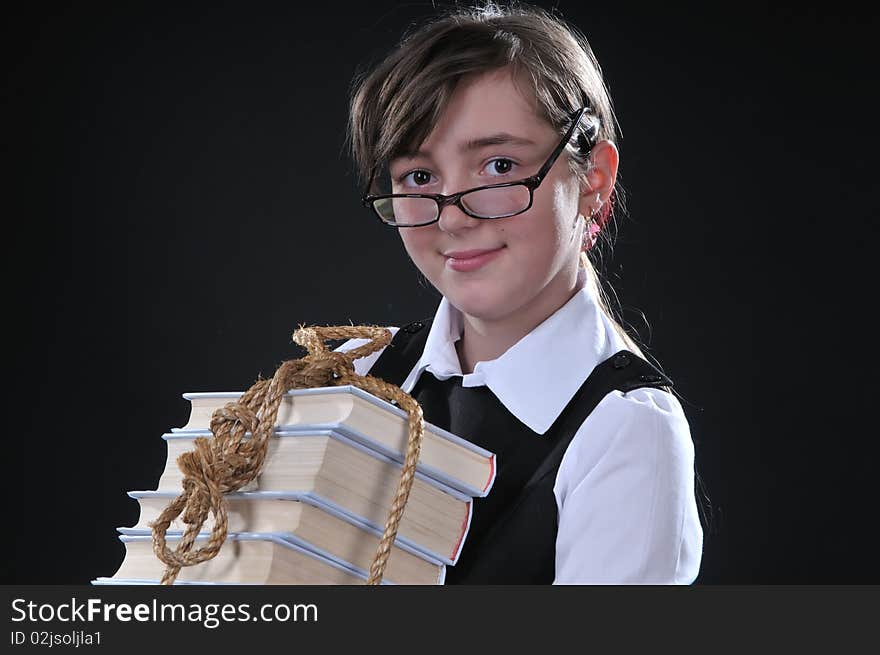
x=537, y=376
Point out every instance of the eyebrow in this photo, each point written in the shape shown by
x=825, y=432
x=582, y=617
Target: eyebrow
x=499, y=139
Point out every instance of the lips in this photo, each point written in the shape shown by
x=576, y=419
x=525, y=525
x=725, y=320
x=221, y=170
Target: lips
x=465, y=261
x=468, y=254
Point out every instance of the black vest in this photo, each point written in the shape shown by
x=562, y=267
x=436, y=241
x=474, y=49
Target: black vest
x=512, y=538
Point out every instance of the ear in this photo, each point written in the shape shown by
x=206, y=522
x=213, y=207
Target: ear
x=600, y=178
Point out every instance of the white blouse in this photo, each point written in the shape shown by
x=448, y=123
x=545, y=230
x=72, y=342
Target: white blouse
x=625, y=487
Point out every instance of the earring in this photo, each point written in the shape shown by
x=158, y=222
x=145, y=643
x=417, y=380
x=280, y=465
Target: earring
x=591, y=230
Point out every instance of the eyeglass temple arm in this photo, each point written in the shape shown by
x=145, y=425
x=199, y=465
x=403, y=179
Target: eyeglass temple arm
x=553, y=157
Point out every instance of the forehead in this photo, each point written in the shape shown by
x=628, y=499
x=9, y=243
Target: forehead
x=486, y=105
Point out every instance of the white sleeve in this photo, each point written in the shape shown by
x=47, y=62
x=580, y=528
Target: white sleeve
x=363, y=365
x=625, y=495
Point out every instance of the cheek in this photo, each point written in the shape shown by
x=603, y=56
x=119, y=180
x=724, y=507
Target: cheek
x=549, y=226
x=419, y=243
x=565, y=201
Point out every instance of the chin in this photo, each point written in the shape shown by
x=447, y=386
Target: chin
x=478, y=303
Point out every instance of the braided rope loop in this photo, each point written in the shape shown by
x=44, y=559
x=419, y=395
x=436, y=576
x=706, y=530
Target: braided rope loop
x=228, y=461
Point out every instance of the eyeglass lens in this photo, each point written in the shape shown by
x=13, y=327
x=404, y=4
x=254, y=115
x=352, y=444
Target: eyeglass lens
x=484, y=203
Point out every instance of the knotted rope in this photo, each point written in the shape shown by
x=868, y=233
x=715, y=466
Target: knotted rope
x=225, y=463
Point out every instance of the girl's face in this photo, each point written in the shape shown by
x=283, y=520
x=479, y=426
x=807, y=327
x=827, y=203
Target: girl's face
x=532, y=270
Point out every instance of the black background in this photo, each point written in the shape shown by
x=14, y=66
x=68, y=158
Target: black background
x=178, y=201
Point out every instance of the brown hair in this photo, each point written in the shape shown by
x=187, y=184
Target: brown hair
x=395, y=106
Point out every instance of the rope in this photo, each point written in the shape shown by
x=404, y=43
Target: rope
x=225, y=463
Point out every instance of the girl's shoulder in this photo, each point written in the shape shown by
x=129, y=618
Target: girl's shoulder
x=644, y=429
x=644, y=403
x=644, y=416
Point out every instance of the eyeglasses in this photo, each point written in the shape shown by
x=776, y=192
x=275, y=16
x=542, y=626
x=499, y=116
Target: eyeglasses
x=490, y=201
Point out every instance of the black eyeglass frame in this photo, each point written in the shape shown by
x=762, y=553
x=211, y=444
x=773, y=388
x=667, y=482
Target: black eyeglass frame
x=531, y=183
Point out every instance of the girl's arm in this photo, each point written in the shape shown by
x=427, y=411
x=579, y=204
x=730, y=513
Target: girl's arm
x=625, y=495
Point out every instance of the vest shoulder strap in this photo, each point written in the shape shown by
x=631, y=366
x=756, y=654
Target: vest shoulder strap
x=397, y=360
x=624, y=371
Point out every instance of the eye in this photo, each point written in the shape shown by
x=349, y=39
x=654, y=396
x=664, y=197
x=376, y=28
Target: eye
x=419, y=178
x=500, y=166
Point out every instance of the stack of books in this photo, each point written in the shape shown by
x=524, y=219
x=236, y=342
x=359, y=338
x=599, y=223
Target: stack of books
x=316, y=513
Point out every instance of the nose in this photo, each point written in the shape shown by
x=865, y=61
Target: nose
x=453, y=219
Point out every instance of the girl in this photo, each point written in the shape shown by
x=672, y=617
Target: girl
x=487, y=140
